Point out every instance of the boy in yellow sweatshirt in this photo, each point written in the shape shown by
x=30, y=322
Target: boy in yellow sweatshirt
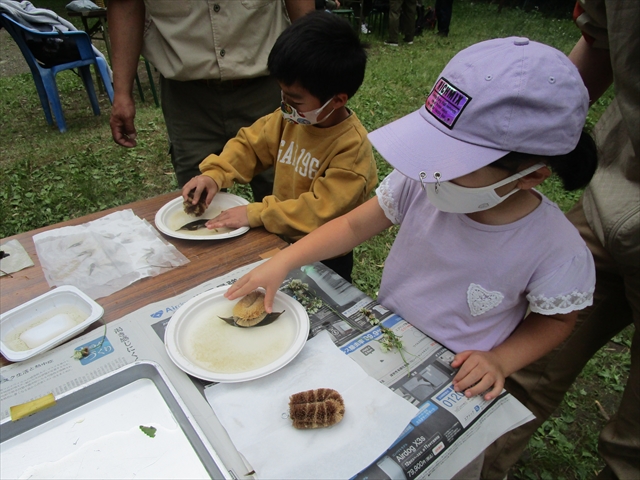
x=323, y=162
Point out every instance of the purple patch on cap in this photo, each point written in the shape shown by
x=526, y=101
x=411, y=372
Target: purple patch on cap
x=446, y=102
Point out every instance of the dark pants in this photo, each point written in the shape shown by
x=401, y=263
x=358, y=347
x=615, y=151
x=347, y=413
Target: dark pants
x=402, y=17
x=341, y=265
x=443, y=15
x=202, y=115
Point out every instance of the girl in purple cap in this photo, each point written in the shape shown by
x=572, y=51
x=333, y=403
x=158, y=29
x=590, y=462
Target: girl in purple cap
x=483, y=263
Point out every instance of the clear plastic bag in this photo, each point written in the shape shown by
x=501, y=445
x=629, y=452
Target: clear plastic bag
x=106, y=255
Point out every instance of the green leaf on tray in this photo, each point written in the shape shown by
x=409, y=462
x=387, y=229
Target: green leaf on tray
x=149, y=431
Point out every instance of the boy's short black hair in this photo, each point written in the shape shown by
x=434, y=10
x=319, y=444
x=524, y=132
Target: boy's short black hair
x=323, y=53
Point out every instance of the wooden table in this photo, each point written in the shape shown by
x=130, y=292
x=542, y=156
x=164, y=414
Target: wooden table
x=208, y=259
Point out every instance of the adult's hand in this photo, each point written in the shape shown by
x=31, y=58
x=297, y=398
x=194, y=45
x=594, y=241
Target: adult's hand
x=123, y=129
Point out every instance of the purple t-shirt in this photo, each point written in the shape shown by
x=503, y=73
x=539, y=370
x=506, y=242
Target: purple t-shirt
x=468, y=285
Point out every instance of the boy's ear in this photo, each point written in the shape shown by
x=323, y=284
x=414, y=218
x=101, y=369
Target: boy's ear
x=339, y=100
x=534, y=179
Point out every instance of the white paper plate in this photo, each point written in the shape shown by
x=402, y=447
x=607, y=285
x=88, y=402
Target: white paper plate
x=172, y=216
x=69, y=301
x=203, y=345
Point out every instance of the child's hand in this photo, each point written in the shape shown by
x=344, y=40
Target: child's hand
x=269, y=275
x=235, y=217
x=199, y=184
x=479, y=371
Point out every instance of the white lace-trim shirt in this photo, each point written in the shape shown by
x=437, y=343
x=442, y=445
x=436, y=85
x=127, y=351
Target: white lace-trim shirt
x=468, y=285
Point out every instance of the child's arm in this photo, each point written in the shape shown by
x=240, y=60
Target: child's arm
x=332, y=239
x=316, y=179
x=295, y=217
x=536, y=336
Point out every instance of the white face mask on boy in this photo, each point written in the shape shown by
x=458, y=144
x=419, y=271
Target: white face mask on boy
x=304, y=118
x=451, y=198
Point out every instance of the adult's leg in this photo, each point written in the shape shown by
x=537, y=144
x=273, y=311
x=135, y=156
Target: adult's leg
x=542, y=385
x=619, y=442
x=201, y=116
x=444, y=9
x=408, y=19
x=194, y=126
x=395, y=9
x=243, y=104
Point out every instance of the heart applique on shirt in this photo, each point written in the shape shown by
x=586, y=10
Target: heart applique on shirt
x=481, y=301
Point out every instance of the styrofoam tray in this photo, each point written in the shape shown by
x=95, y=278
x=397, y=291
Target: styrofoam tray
x=78, y=310
x=203, y=345
x=172, y=216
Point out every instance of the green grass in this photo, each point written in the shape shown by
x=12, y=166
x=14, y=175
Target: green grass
x=47, y=177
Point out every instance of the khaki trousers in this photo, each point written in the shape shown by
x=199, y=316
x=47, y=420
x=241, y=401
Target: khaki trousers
x=202, y=115
x=542, y=385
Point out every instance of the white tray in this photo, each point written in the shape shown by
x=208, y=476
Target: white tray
x=67, y=300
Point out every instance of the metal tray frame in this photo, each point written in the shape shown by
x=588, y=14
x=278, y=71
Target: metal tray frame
x=110, y=382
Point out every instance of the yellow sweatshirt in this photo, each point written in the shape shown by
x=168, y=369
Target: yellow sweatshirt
x=319, y=173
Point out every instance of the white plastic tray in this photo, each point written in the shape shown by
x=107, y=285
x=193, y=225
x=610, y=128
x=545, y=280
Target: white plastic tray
x=67, y=300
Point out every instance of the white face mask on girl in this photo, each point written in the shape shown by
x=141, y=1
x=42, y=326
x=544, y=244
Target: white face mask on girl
x=305, y=118
x=452, y=198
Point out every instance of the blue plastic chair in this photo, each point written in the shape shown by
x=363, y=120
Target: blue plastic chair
x=45, y=78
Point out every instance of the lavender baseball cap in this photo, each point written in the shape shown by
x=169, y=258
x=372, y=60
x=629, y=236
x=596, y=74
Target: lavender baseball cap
x=492, y=98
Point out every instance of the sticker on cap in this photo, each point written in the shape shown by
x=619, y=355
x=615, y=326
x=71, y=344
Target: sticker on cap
x=446, y=102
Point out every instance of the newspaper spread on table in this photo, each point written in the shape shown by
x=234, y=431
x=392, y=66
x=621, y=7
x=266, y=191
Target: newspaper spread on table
x=448, y=432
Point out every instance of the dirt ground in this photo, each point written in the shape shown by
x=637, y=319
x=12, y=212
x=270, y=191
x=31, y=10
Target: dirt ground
x=11, y=60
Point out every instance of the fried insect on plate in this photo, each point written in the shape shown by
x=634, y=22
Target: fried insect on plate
x=199, y=208
x=249, y=312
x=317, y=408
